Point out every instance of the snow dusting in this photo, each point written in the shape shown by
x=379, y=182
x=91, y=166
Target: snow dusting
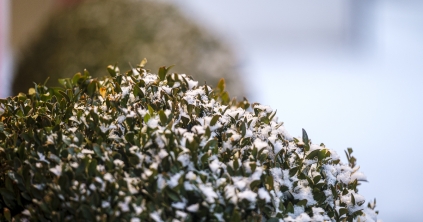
x=161, y=148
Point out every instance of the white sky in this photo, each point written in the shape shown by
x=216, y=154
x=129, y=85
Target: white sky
x=363, y=92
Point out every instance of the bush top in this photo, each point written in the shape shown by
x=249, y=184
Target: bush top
x=140, y=146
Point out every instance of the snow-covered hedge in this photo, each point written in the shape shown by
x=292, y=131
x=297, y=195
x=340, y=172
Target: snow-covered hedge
x=138, y=146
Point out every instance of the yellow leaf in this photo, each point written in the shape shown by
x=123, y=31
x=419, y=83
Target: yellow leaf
x=31, y=91
x=103, y=92
x=143, y=62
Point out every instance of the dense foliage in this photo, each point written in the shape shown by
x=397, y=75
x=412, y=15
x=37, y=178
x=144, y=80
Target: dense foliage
x=137, y=146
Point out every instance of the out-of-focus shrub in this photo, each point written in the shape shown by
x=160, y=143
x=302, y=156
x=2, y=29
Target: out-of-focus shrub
x=98, y=32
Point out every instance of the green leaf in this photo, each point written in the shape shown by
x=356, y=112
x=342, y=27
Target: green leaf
x=235, y=216
x=316, y=179
x=321, y=154
x=302, y=202
x=290, y=208
x=76, y=78
x=7, y=214
x=16, y=163
x=221, y=85
x=65, y=95
x=230, y=170
x=263, y=157
x=334, y=192
x=255, y=184
x=253, y=166
x=272, y=115
x=225, y=98
x=92, y=167
x=86, y=212
x=129, y=136
x=243, y=129
x=306, y=141
x=134, y=160
x=138, y=92
x=352, y=199
x=91, y=88
x=342, y=211
x=302, y=176
x=269, y=182
x=64, y=82
x=97, y=150
x=8, y=198
x=163, y=71
x=146, y=117
x=312, y=154
x=309, y=180
x=163, y=117
x=204, y=158
x=293, y=171
x=20, y=182
x=208, y=133
x=64, y=182
x=80, y=170
x=112, y=70
x=305, y=137
x=172, y=195
x=9, y=184
x=214, y=120
x=150, y=110
x=254, y=152
x=236, y=163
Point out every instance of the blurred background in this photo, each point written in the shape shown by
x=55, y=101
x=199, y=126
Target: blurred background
x=349, y=72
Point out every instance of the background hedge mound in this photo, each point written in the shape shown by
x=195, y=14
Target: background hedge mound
x=99, y=32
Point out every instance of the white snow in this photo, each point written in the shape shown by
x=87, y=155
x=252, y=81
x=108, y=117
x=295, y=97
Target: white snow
x=193, y=208
x=263, y=194
x=105, y=204
x=260, y=144
x=358, y=176
x=156, y=216
x=57, y=170
x=190, y=176
x=179, y=205
x=231, y=194
x=163, y=153
x=173, y=181
x=214, y=165
x=124, y=206
x=119, y=163
x=109, y=177
x=42, y=157
x=87, y=151
x=248, y=195
x=208, y=191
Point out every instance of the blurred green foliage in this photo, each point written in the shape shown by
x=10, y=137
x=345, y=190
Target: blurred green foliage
x=98, y=32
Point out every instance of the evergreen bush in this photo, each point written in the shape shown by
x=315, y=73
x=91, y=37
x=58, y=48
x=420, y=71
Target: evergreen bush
x=137, y=146
x=99, y=32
